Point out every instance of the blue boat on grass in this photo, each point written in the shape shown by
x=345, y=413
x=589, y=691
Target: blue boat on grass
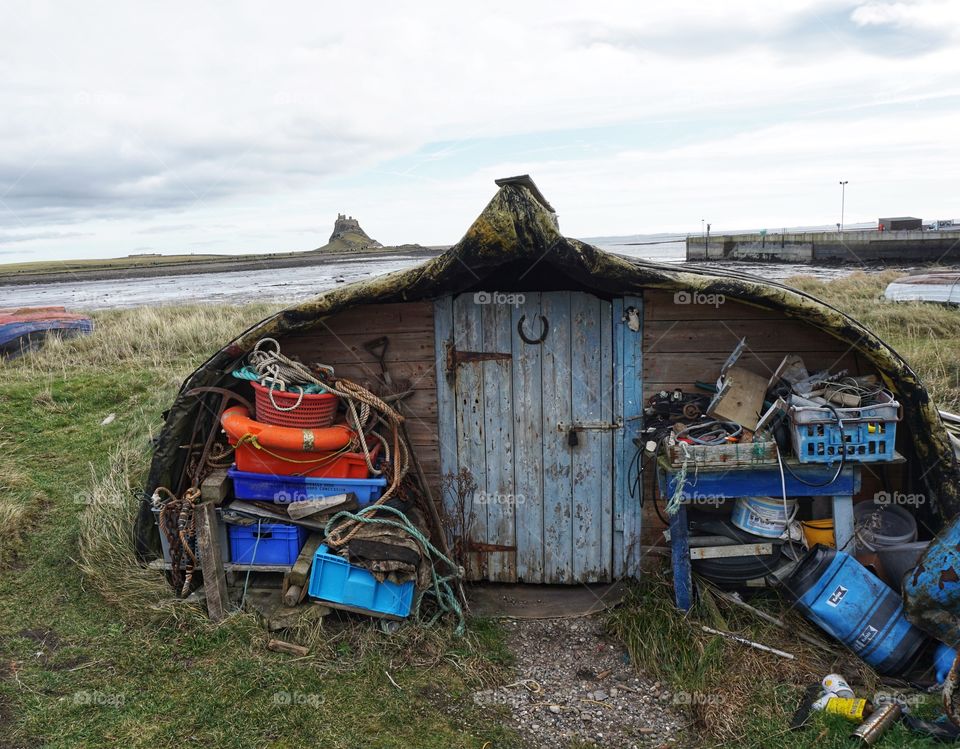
x=25, y=329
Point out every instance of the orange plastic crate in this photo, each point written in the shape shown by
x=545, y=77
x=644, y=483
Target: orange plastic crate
x=291, y=463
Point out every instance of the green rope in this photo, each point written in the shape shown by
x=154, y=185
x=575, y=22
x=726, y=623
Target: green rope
x=446, y=599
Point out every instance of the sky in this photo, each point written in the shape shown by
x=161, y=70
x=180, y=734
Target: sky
x=235, y=127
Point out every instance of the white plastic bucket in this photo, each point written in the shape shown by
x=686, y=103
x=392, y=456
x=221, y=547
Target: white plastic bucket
x=762, y=516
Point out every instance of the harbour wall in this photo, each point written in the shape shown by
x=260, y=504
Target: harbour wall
x=829, y=247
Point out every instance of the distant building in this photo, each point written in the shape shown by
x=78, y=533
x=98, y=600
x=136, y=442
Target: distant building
x=900, y=223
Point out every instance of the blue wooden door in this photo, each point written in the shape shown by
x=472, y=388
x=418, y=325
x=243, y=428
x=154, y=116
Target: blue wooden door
x=536, y=397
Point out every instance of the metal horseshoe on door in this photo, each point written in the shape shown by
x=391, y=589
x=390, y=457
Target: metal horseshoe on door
x=545, y=328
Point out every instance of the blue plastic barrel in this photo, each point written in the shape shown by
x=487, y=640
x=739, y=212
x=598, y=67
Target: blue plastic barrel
x=842, y=597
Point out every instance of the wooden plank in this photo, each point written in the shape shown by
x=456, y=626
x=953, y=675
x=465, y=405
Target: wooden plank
x=730, y=550
x=471, y=447
x=668, y=370
x=528, y=445
x=741, y=398
x=279, y=515
x=211, y=561
x=390, y=318
x=348, y=348
x=556, y=401
x=719, y=335
x=323, y=505
x=500, y=495
x=843, y=527
x=300, y=572
x=421, y=374
x=680, y=560
x=607, y=414
x=290, y=648
x=588, y=473
x=720, y=456
x=763, y=482
x=628, y=405
x=661, y=305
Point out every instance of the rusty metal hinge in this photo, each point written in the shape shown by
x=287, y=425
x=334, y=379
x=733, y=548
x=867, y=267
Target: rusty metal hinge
x=456, y=357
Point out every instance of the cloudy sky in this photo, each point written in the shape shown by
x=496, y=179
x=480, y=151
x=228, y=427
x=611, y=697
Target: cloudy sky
x=232, y=127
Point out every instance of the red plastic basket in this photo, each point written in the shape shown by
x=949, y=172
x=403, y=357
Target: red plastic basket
x=316, y=410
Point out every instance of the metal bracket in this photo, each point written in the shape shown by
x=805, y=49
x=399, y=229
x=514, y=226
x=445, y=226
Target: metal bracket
x=456, y=357
x=582, y=426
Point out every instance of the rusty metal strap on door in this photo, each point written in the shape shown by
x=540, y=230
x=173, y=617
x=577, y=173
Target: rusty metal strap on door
x=455, y=357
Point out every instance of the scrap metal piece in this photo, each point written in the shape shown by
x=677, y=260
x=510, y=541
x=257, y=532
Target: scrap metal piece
x=870, y=731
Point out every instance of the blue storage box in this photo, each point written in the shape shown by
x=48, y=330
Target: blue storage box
x=264, y=487
x=334, y=580
x=869, y=433
x=266, y=543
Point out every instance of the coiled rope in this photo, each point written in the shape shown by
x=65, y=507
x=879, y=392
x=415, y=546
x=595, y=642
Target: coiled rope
x=440, y=588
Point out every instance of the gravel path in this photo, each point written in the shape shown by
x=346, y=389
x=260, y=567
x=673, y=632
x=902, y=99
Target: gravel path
x=576, y=686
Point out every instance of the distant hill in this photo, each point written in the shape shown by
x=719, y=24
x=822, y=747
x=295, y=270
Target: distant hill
x=348, y=236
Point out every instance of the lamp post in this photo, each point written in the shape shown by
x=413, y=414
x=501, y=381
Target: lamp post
x=843, y=200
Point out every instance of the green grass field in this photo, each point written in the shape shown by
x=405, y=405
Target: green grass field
x=95, y=652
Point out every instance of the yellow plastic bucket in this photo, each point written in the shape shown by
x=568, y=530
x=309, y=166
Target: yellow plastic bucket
x=819, y=532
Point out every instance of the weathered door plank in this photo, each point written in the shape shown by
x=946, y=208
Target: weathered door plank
x=528, y=446
x=499, y=491
x=557, y=494
x=628, y=405
x=468, y=335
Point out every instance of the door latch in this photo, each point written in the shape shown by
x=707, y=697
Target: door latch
x=574, y=428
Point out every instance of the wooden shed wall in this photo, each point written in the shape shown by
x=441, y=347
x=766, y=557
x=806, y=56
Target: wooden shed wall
x=339, y=339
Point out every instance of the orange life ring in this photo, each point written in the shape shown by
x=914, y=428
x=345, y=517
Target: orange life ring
x=238, y=425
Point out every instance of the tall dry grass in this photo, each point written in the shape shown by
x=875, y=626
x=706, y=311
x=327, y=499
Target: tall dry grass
x=106, y=544
x=926, y=335
x=166, y=338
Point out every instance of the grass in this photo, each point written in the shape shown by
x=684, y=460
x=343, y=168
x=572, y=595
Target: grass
x=94, y=652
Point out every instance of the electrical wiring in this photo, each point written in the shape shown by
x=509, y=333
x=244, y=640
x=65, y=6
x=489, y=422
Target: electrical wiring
x=710, y=432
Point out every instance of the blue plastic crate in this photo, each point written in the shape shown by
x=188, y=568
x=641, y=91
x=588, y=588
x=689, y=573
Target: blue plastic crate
x=861, y=442
x=869, y=432
x=334, y=580
x=265, y=487
x=266, y=543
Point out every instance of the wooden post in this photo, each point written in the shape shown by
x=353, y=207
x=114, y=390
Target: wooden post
x=215, y=487
x=211, y=561
x=296, y=580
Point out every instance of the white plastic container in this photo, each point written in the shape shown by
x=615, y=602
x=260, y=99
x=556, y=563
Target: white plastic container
x=762, y=516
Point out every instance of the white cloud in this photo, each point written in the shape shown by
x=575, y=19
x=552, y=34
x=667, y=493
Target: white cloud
x=122, y=116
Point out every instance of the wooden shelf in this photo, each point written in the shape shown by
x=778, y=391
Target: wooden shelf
x=159, y=564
